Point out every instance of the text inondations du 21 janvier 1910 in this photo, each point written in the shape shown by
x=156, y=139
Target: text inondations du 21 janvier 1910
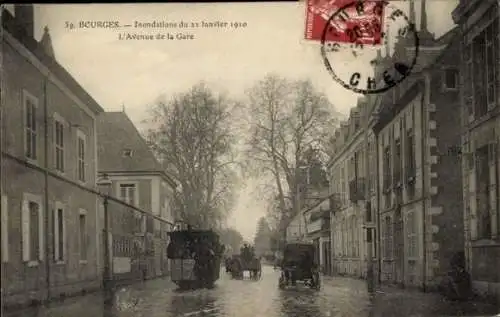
x=157, y=30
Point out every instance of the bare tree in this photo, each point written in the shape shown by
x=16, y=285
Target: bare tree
x=286, y=119
x=193, y=137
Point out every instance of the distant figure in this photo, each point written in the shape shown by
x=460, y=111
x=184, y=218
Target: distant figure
x=246, y=253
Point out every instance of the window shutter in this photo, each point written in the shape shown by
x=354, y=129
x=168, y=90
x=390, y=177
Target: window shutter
x=5, y=230
x=25, y=215
x=64, y=236
x=55, y=214
x=41, y=235
x=493, y=161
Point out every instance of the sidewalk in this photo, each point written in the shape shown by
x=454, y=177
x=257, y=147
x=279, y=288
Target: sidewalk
x=388, y=301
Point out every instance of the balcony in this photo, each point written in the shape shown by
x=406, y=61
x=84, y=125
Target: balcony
x=335, y=202
x=357, y=189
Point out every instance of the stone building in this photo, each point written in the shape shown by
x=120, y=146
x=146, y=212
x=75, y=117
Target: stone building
x=50, y=240
x=479, y=25
x=395, y=169
x=139, y=242
x=348, y=182
x=419, y=164
x=352, y=172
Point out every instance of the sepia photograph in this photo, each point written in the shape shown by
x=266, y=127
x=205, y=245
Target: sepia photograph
x=308, y=158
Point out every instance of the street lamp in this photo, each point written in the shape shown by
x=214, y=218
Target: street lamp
x=105, y=183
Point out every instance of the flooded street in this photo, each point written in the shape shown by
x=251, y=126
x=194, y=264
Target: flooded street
x=246, y=298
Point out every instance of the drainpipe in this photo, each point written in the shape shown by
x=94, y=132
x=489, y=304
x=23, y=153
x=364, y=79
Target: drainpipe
x=424, y=118
x=377, y=236
x=46, y=178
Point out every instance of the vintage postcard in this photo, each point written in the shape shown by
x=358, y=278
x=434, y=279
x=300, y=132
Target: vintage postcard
x=322, y=158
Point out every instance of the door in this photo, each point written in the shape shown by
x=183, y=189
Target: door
x=317, y=251
x=398, y=247
x=327, y=257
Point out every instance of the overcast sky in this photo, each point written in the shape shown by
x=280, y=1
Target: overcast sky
x=136, y=72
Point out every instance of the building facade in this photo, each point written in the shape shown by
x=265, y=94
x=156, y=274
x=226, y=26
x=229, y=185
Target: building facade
x=418, y=152
x=50, y=236
x=396, y=167
x=317, y=225
x=139, y=241
x=479, y=25
x=350, y=175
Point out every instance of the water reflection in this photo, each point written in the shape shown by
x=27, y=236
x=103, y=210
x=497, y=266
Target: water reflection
x=299, y=303
x=193, y=303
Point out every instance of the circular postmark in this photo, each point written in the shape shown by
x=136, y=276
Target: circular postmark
x=359, y=26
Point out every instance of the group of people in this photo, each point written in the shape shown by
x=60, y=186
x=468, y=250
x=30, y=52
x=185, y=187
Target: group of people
x=247, y=252
x=201, y=249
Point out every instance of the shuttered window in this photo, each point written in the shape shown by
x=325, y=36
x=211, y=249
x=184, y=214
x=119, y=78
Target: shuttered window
x=5, y=229
x=83, y=236
x=59, y=145
x=30, y=125
x=59, y=233
x=387, y=239
x=411, y=234
x=32, y=229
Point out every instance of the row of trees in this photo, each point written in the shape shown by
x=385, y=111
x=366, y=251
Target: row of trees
x=205, y=140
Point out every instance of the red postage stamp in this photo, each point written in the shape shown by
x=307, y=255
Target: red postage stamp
x=350, y=21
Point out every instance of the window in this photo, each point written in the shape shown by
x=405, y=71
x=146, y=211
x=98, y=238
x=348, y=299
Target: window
x=483, y=193
x=127, y=153
x=128, y=193
x=81, y=149
x=30, y=108
x=344, y=238
x=59, y=145
x=485, y=48
x=387, y=167
x=411, y=232
x=387, y=238
x=451, y=78
x=5, y=230
x=397, y=162
x=32, y=230
x=59, y=233
x=492, y=47
x=82, y=222
x=355, y=237
x=410, y=154
x=343, y=186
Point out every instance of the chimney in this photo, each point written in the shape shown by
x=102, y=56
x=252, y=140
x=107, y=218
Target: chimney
x=25, y=16
x=46, y=43
x=412, y=12
x=423, y=18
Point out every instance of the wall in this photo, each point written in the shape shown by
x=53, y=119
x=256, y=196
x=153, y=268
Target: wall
x=345, y=260
x=446, y=180
x=20, y=281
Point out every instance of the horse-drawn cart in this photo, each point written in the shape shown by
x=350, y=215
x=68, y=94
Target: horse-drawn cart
x=238, y=265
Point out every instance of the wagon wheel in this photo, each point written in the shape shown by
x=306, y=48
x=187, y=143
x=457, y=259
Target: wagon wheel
x=236, y=271
x=282, y=282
